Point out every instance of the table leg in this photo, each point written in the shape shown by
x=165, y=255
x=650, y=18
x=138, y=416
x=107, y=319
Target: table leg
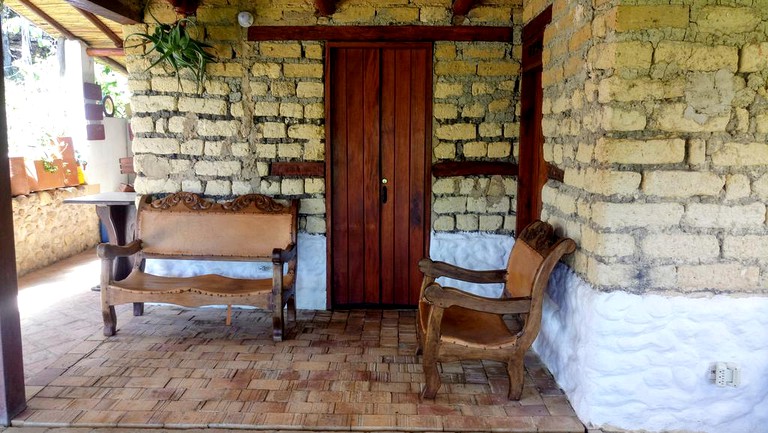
x=120, y=222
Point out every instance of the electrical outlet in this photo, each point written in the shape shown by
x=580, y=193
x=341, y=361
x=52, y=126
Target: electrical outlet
x=725, y=374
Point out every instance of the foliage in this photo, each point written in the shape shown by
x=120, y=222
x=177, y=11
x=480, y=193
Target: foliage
x=49, y=166
x=178, y=49
x=23, y=44
x=33, y=89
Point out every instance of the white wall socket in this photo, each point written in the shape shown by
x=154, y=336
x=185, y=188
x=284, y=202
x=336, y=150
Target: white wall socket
x=725, y=374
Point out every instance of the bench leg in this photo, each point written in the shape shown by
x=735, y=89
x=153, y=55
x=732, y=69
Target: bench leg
x=110, y=320
x=138, y=308
x=278, y=324
x=292, y=309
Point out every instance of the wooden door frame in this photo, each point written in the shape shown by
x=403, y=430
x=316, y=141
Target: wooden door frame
x=329, y=45
x=532, y=167
x=13, y=398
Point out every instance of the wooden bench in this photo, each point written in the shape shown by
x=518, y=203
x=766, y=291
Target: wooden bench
x=183, y=225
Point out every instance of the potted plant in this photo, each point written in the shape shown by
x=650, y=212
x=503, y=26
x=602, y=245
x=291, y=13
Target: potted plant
x=67, y=153
x=46, y=174
x=177, y=48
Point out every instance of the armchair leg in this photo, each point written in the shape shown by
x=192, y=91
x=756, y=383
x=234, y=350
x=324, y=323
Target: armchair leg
x=431, y=380
x=419, y=340
x=516, y=371
x=110, y=320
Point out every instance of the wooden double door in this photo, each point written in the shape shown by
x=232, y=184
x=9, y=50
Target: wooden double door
x=379, y=101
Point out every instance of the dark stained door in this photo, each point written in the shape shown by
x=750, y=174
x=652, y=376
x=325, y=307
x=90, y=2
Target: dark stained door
x=380, y=113
x=532, y=174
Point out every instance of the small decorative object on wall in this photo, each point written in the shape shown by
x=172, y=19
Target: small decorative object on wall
x=178, y=48
x=245, y=19
x=108, y=105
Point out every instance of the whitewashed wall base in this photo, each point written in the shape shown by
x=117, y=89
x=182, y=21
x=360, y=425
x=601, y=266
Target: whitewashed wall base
x=641, y=362
x=310, y=282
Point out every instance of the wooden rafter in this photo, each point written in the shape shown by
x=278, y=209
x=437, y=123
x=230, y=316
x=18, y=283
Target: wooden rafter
x=117, y=40
x=105, y=52
x=325, y=8
x=381, y=33
x=47, y=18
x=120, y=11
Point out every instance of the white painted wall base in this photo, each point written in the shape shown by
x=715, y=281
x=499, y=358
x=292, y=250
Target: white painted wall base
x=310, y=282
x=470, y=250
x=641, y=362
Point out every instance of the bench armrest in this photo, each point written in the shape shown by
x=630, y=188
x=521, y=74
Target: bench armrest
x=442, y=269
x=109, y=251
x=445, y=297
x=282, y=255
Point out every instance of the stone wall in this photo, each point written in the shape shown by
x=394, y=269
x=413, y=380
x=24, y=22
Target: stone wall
x=264, y=102
x=46, y=230
x=476, y=108
x=656, y=113
x=659, y=125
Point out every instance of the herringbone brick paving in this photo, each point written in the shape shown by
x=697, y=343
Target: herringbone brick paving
x=336, y=371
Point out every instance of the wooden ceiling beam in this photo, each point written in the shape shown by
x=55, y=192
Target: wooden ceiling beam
x=120, y=11
x=381, y=33
x=325, y=8
x=117, y=40
x=105, y=52
x=47, y=18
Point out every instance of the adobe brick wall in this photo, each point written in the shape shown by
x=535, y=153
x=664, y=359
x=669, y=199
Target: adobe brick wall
x=659, y=121
x=264, y=102
x=46, y=230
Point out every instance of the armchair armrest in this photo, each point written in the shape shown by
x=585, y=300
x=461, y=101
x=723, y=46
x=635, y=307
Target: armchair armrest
x=282, y=255
x=109, y=251
x=445, y=297
x=442, y=269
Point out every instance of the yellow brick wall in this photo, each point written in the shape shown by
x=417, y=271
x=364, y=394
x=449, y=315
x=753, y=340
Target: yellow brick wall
x=264, y=102
x=659, y=122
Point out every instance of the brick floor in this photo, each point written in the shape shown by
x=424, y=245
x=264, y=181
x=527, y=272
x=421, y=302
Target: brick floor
x=179, y=368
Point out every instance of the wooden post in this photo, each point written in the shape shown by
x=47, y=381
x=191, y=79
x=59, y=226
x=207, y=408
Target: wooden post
x=12, y=397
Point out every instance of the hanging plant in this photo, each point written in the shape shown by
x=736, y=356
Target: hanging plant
x=178, y=49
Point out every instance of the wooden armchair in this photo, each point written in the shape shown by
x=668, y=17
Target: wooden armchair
x=454, y=325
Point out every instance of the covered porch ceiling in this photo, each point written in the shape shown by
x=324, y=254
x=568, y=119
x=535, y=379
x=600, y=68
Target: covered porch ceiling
x=98, y=23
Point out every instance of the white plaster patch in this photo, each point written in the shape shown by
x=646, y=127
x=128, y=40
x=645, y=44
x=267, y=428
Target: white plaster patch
x=477, y=251
x=641, y=362
x=310, y=282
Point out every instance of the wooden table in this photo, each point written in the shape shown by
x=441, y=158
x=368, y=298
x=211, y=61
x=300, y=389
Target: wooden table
x=117, y=211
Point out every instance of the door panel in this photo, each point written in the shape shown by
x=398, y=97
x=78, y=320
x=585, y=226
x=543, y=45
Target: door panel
x=372, y=178
x=380, y=116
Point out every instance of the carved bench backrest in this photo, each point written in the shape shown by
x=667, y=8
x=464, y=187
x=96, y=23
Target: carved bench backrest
x=184, y=225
